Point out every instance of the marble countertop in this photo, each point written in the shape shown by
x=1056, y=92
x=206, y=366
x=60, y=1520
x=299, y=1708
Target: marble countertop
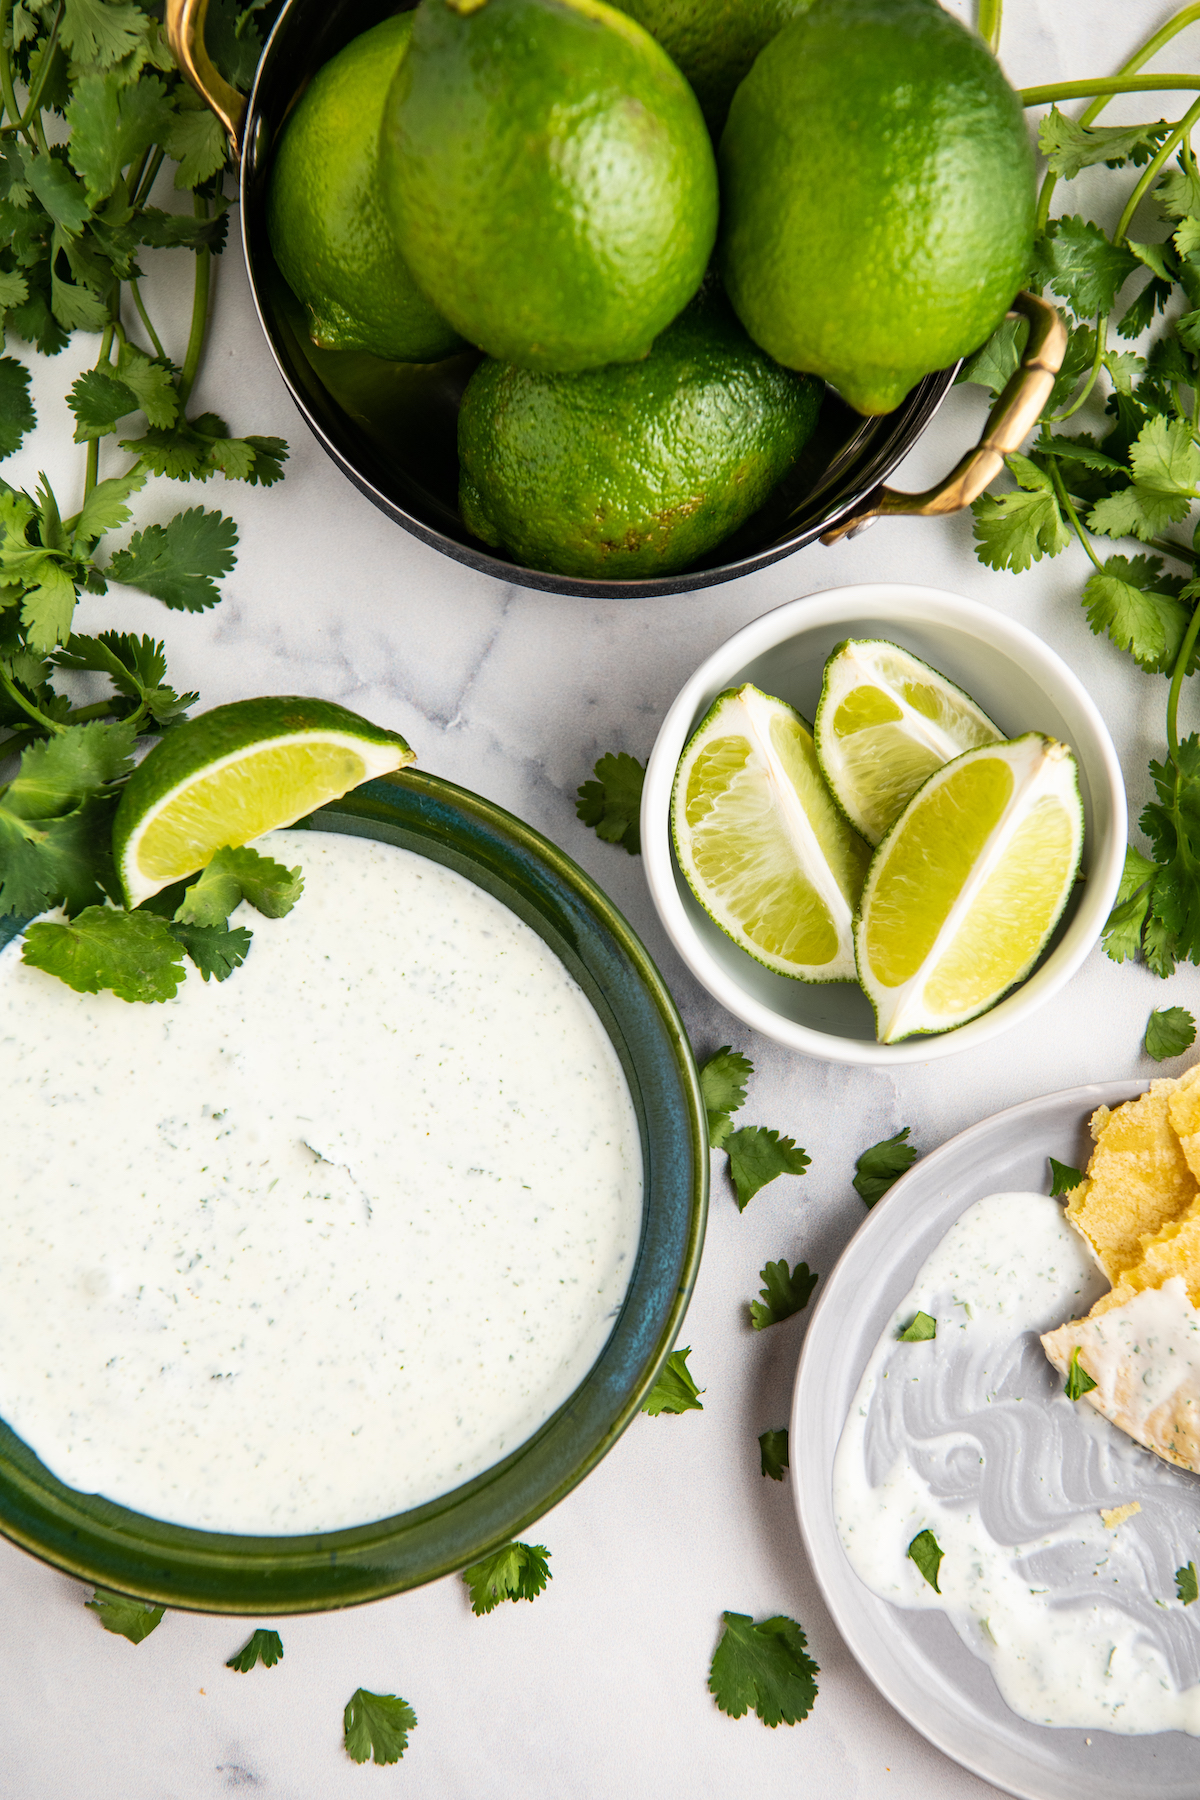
x=599, y=1688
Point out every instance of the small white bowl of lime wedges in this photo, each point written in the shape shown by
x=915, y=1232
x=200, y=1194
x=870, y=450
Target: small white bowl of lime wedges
x=724, y=900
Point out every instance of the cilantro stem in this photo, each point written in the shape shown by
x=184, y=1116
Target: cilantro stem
x=144, y=316
x=33, y=103
x=1106, y=85
x=1150, y=172
x=1101, y=345
x=1177, y=675
x=35, y=712
x=191, y=361
x=1169, y=547
x=93, y=450
x=1090, y=114
x=147, y=181
x=988, y=23
x=1064, y=500
x=6, y=80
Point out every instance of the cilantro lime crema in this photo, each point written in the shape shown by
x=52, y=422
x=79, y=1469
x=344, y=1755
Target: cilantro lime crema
x=312, y=1246
x=1055, y=1541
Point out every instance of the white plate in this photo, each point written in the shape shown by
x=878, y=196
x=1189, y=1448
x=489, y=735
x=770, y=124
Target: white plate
x=915, y=1658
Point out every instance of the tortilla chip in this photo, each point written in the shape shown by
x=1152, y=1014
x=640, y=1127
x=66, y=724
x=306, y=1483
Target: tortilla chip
x=1184, y=1109
x=1138, y=1180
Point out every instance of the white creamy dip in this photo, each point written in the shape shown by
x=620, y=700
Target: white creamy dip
x=319, y=1243
x=970, y=1435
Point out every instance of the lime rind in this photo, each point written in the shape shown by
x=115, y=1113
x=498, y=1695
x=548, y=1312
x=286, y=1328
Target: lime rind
x=1044, y=803
x=760, y=842
x=874, y=771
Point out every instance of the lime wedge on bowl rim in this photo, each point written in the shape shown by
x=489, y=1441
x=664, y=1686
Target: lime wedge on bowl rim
x=231, y=774
x=885, y=722
x=965, y=890
x=760, y=842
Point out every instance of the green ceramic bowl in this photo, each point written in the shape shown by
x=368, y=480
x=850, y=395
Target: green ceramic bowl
x=213, y=1572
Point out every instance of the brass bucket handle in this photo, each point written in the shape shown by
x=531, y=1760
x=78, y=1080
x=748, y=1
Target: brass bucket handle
x=185, y=34
x=1009, y=423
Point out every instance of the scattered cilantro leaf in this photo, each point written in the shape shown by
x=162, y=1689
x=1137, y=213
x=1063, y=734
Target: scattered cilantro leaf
x=514, y=1572
x=926, y=1552
x=377, y=1726
x=1063, y=1178
x=723, y=1081
x=133, y=953
x=773, y=1454
x=1078, y=1382
x=1169, y=1033
x=758, y=1156
x=782, y=1295
x=919, y=1330
x=877, y=1168
x=132, y=1619
x=764, y=1666
x=240, y=874
x=674, y=1391
x=265, y=1647
x=214, y=950
x=1186, y=1587
x=179, y=563
x=611, y=804
x=1014, y=530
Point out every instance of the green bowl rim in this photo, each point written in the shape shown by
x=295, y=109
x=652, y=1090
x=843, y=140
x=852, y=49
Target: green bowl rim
x=97, y=1541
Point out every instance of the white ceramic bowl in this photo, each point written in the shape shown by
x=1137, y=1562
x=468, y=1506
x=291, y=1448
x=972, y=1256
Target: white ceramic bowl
x=1017, y=680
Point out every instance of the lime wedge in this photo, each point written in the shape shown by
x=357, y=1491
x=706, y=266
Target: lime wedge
x=760, y=842
x=968, y=885
x=235, y=772
x=885, y=722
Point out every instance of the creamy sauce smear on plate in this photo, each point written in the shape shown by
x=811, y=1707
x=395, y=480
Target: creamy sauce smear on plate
x=970, y=1435
x=314, y=1245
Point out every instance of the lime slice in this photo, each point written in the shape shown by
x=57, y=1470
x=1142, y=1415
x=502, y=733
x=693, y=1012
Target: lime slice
x=234, y=773
x=760, y=842
x=885, y=722
x=968, y=885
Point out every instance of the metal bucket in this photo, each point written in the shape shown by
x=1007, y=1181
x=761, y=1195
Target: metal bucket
x=392, y=428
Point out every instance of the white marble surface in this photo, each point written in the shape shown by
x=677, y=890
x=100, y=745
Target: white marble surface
x=598, y=1689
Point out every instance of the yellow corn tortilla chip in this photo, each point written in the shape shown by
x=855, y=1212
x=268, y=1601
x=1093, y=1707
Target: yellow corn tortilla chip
x=1138, y=1179
x=1183, y=1106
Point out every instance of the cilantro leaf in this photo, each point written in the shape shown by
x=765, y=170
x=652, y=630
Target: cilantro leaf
x=919, y=1330
x=1169, y=1033
x=1172, y=824
x=1014, y=530
x=763, y=1666
x=783, y=1293
x=111, y=126
x=105, y=508
x=674, y=1391
x=1069, y=147
x=152, y=384
x=1078, y=1382
x=16, y=408
x=878, y=1167
x=758, y=1156
x=59, y=191
x=612, y=803
x=995, y=363
x=1063, y=1178
x=214, y=950
x=265, y=1647
x=132, y=1619
x=514, y=1572
x=1075, y=259
x=56, y=773
x=1125, y=600
x=178, y=562
x=240, y=874
x=926, y=1552
x=48, y=605
x=100, y=31
x=377, y=1725
x=1187, y=1588
x=773, y=1454
x=723, y=1081
x=98, y=399
x=1178, y=192
x=1122, y=934
x=65, y=860
x=133, y=953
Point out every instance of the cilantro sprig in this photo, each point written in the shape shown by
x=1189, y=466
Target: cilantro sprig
x=265, y=1647
x=514, y=1572
x=674, y=1391
x=103, y=113
x=1134, y=474
x=783, y=1294
x=765, y=1667
x=612, y=803
x=773, y=1454
x=376, y=1726
x=1064, y=1177
x=132, y=1619
x=756, y=1154
x=882, y=1164
x=1169, y=1033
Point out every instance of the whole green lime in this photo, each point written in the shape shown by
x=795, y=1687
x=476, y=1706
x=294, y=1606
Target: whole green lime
x=639, y=468
x=713, y=42
x=877, y=196
x=550, y=177
x=329, y=232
